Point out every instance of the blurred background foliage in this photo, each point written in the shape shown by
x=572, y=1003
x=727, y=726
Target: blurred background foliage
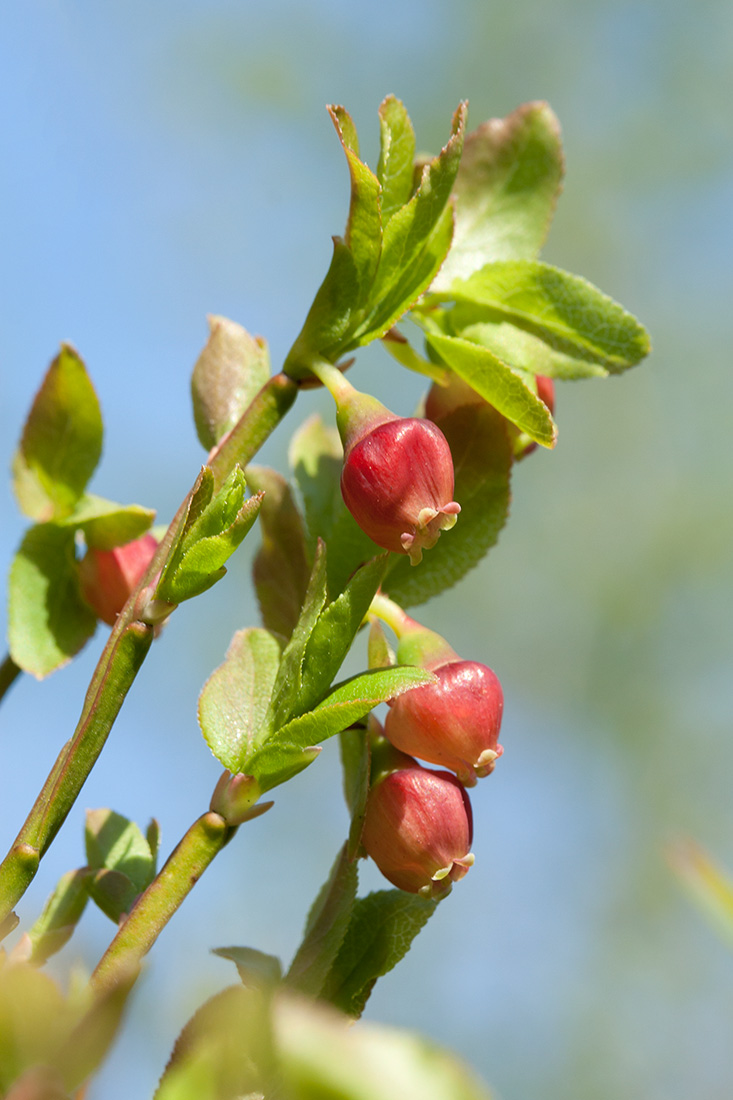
x=167, y=161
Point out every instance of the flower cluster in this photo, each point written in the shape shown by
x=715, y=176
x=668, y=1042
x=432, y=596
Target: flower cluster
x=418, y=826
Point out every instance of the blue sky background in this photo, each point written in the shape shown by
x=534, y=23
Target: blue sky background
x=166, y=161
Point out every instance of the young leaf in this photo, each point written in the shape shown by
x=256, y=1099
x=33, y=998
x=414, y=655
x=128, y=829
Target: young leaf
x=382, y=928
x=348, y=702
x=255, y=968
x=566, y=311
x=48, y=622
x=396, y=156
x=281, y=568
x=122, y=859
x=59, y=917
x=231, y=370
x=364, y=228
x=212, y=531
x=115, y=843
x=286, y=692
x=482, y=460
x=401, y=350
x=335, y=630
x=416, y=239
x=106, y=524
x=505, y=191
x=331, y=317
x=323, y=1060
x=325, y=928
x=520, y=349
x=61, y=441
x=498, y=384
x=316, y=456
x=355, y=761
x=235, y=698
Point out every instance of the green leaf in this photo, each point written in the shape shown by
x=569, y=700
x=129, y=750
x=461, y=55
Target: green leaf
x=382, y=928
x=364, y=228
x=212, y=531
x=255, y=968
x=416, y=239
x=349, y=702
x=316, y=456
x=335, y=630
x=281, y=568
x=288, y=685
x=115, y=843
x=330, y=317
x=61, y=442
x=355, y=761
x=505, y=191
x=48, y=622
x=498, y=384
x=324, y=1060
x=520, y=349
x=106, y=524
x=567, y=312
x=396, y=156
x=60, y=915
x=325, y=928
x=235, y=699
x=231, y=370
x=482, y=460
x=122, y=859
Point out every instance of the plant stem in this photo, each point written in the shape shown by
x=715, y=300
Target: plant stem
x=9, y=672
x=121, y=660
x=155, y=907
x=389, y=612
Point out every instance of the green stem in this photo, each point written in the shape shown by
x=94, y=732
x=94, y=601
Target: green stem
x=155, y=907
x=121, y=660
x=390, y=613
x=9, y=672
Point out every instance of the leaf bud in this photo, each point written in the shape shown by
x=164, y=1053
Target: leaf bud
x=418, y=829
x=235, y=798
x=107, y=577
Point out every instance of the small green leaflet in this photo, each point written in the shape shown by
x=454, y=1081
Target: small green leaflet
x=61, y=441
x=231, y=369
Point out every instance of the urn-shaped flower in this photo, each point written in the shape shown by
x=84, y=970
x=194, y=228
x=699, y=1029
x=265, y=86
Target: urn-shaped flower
x=418, y=829
x=107, y=577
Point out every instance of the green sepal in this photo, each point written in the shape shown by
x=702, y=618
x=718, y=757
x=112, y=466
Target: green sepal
x=380, y=933
x=214, y=527
x=325, y=928
x=395, y=169
x=482, y=461
x=106, y=524
x=498, y=384
x=48, y=622
x=567, y=312
x=255, y=968
x=121, y=861
x=280, y=569
x=505, y=192
x=61, y=441
x=235, y=699
x=232, y=368
x=59, y=917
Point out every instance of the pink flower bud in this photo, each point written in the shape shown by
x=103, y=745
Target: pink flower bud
x=107, y=577
x=453, y=723
x=397, y=482
x=418, y=830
